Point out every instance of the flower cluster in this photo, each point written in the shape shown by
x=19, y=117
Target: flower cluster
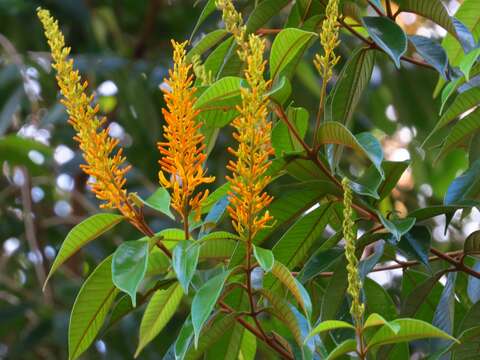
x=354, y=282
x=183, y=149
x=248, y=199
x=329, y=40
x=102, y=163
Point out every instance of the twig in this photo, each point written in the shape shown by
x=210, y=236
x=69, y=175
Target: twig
x=459, y=265
x=376, y=8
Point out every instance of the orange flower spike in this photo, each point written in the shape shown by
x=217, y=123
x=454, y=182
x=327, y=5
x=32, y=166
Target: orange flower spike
x=183, y=149
x=248, y=200
x=102, y=164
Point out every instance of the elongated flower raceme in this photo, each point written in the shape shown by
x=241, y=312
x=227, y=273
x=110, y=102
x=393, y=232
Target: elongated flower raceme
x=354, y=282
x=106, y=167
x=329, y=40
x=183, y=149
x=248, y=200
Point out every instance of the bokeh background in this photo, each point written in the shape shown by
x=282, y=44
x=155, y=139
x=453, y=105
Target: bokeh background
x=122, y=47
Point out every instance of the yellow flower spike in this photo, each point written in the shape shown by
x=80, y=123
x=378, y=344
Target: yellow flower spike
x=329, y=40
x=183, y=148
x=357, y=308
x=108, y=169
x=248, y=200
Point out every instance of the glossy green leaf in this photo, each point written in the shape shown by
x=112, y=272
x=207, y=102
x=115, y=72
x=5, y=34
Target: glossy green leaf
x=351, y=83
x=329, y=325
x=320, y=261
x=460, y=132
x=288, y=46
x=378, y=320
x=210, y=336
x=280, y=91
x=393, y=171
x=184, y=262
x=160, y=309
x=344, y=347
x=284, y=275
x=283, y=141
x=468, y=61
x=88, y=230
x=207, y=42
x=217, y=104
x=90, y=308
x=332, y=132
x=160, y=201
x=263, y=12
x=467, y=14
x=207, y=10
x=432, y=52
x=205, y=300
x=296, y=243
x=264, y=257
x=462, y=103
x=410, y=329
x=281, y=310
x=218, y=245
x=129, y=266
x=388, y=36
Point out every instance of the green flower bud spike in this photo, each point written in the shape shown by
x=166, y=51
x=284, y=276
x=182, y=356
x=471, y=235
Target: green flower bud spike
x=354, y=283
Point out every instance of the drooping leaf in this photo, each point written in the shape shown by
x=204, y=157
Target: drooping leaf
x=351, y=83
x=282, y=310
x=88, y=230
x=214, y=216
x=205, y=300
x=209, y=336
x=444, y=313
x=332, y=132
x=393, y=171
x=264, y=257
x=336, y=289
x=184, y=339
x=416, y=244
x=320, y=261
x=280, y=91
x=184, y=262
x=473, y=286
x=129, y=265
x=90, y=308
x=410, y=329
x=397, y=227
x=159, y=311
x=464, y=35
x=289, y=45
x=282, y=273
x=432, y=52
x=465, y=187
x=387, y=35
